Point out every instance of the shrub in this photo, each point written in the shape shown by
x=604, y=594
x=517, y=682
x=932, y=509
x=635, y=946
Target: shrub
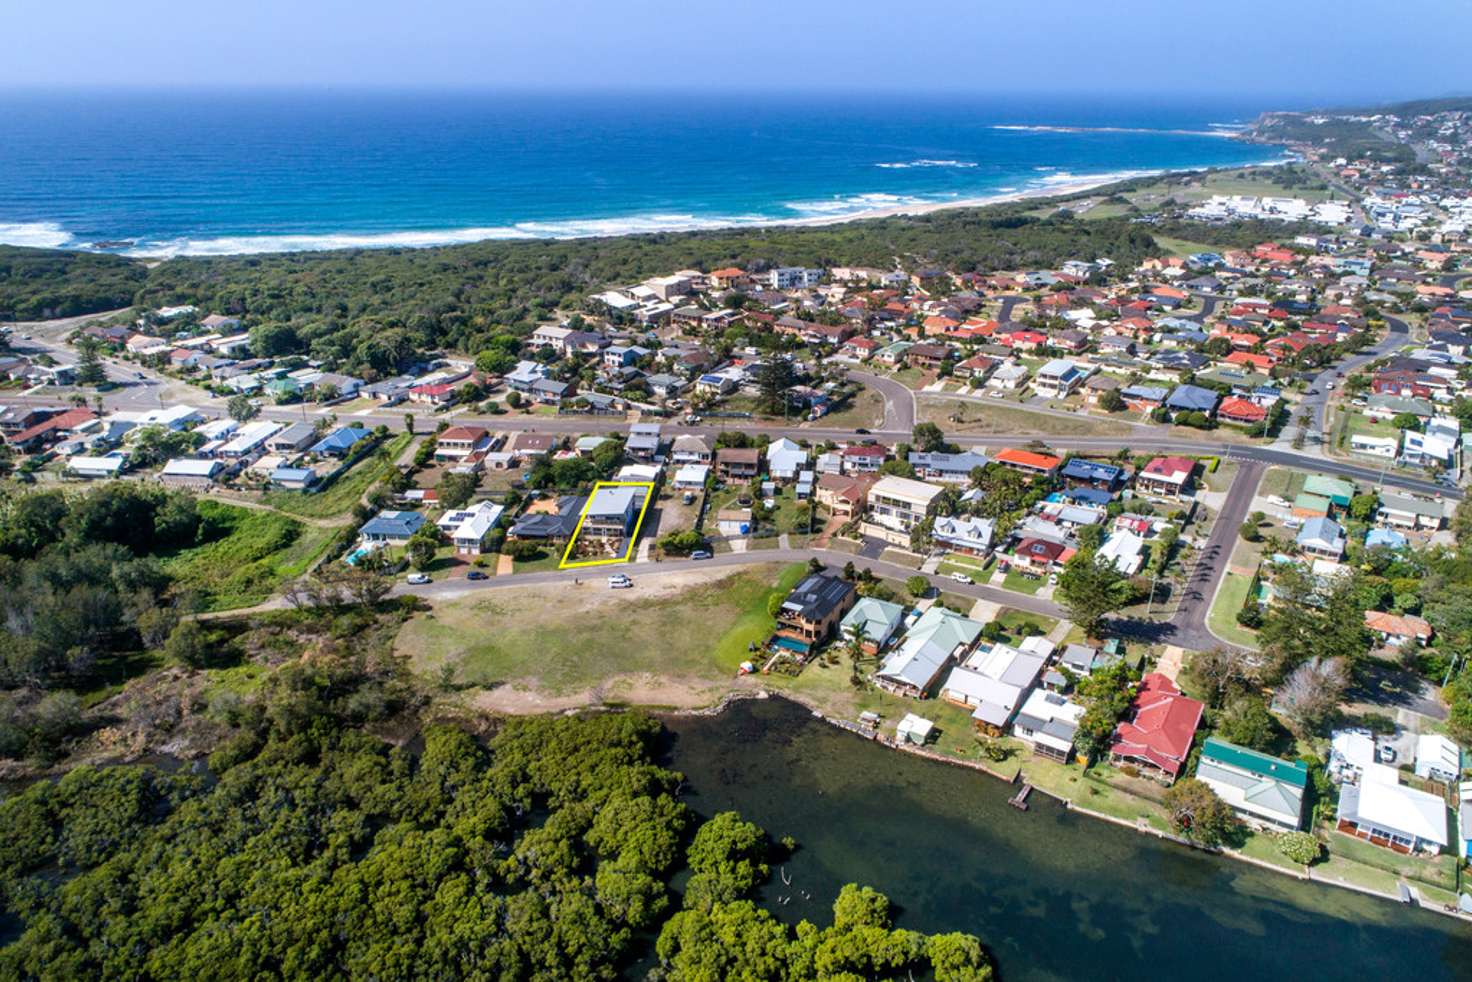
x=1301, y=847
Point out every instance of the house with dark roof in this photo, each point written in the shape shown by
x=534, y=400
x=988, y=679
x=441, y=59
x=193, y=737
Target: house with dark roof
x=340, y=442
x=738, y=463
x=394, y=527
x=812, y=611
x=1079, y=472
x=1192, y=399
x=549, y=526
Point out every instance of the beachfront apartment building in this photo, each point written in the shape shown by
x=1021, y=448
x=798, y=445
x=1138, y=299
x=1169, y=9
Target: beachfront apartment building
x=896, y=506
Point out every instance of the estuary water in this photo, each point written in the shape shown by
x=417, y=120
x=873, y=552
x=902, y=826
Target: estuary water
x=1053, y=894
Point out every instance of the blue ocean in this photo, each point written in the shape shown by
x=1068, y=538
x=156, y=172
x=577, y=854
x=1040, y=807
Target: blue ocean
x=230, y=172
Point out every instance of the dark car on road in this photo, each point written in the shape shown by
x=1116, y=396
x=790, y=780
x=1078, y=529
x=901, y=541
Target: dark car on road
x=475, y=574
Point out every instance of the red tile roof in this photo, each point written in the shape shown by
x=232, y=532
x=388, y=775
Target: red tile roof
x=469, y=434
x=1173, y=468
x=1242, y=410
x=865, y=450
x=60, y=423
x=1163, y=724
x=1028, y=459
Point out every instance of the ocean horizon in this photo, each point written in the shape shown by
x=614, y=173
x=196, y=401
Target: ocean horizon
x=159, y=175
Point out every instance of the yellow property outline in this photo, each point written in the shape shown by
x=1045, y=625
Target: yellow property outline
x=633, y=537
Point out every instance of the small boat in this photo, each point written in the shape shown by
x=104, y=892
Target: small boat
x=786, y=880
x=1406, y=896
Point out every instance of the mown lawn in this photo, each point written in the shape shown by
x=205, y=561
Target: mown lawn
x=562, y=639
x=1029, y=585
x=246, y=556
x=1222, y=618
x=1438, y=871
x=339, y=497
x=1012, y=621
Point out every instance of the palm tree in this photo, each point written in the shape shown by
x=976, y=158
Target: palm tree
x=853, y=636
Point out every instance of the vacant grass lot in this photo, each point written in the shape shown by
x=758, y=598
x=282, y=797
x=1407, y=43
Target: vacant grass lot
x=563, y=639
x=1222, y=618
x=247, y=555
x=987, y=418
x=865, y=409
x=339, y=497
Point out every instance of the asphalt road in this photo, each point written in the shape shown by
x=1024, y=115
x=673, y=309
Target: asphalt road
x=1396, y=337
x=1186, y=628
x=1212, y=561
x=899, y=400
x=460, y=587
x=154, y=390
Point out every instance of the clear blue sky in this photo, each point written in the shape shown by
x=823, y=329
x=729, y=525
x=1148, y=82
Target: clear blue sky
x=1320, y=49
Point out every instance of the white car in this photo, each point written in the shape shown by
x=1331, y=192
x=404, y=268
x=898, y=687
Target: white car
x=961, y=578
x=418, y=579
x=619, y=581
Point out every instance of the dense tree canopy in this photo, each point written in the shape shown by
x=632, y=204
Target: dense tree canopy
x=372, y=311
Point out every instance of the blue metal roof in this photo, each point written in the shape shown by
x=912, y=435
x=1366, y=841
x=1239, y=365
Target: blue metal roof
x=1089, y=470
x=340, y=440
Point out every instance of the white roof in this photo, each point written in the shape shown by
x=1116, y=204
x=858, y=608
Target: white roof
x=251, y=435
x=1058, y=368
x=96, y=465
x=692, y=474
x=918, y=725
x=191, y=467
x=1122, y=549
x=1435, y=750
x=1044, y=705
x=905, y=489
x=1037, y=645
x=638, y=472
x=479, y=523
x=1385, y=802
x=1357, y=749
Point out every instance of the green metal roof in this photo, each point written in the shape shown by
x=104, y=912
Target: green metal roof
x=1289, y=772
x=1336, y=490
x=1312, y=502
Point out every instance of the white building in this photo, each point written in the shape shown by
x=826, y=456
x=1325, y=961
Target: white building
x=469, y=528
x=1058, y=378
x=1385, y=812
x=897, y=505
x=249, y=439
x=190, y=472
x=96, y=467
x=1047, y=723
x=1438, y=758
